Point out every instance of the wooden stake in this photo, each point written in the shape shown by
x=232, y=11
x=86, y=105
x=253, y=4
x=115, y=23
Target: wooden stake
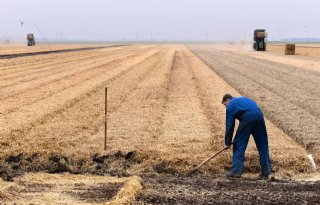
x=105, y=118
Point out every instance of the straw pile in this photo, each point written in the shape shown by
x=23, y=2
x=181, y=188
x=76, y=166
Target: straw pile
x=44, y=188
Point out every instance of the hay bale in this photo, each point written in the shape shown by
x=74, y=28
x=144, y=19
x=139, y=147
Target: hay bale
x=290, y=46
x=290, y=49
x=261, y=34
x=29, y=36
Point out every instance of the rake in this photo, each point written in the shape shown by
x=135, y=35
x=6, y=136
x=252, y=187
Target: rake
x=204, y=161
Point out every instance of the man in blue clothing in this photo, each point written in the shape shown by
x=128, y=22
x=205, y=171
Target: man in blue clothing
x=251, y=122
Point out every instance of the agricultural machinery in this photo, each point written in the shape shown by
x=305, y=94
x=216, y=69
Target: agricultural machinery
x=30, y=38
x=260, y=39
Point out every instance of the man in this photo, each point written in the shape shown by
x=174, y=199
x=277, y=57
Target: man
x=251, y=122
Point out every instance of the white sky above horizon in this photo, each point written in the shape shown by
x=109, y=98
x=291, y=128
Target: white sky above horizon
x=181, y=20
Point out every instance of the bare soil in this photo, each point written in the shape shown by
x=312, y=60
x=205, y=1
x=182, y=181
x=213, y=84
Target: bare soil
x=220, y=190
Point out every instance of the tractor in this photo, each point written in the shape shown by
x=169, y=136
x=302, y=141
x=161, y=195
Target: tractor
x=260, y=40
x=30, y=38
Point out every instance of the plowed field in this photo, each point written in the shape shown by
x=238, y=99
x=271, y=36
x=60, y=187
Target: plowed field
x=164, y=116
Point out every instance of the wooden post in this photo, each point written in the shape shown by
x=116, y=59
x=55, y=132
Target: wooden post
x=105, y=118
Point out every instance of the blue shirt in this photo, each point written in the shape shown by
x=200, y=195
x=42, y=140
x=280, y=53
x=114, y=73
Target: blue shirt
x=243, y=109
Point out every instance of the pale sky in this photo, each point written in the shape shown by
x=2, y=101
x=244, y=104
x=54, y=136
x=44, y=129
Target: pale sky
x=179, y=20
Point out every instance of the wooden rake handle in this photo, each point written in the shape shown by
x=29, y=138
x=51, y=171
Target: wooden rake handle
x=202, y=163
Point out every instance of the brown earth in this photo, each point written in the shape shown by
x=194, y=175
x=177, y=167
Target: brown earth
x=218, y=190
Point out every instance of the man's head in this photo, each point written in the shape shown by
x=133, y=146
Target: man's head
x=226, y=99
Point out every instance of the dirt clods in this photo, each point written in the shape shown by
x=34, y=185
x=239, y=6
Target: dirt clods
x=219, y=190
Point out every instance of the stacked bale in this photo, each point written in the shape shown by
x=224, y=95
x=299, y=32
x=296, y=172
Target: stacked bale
x=290, y=49
x=30, y=36
x=261, y=34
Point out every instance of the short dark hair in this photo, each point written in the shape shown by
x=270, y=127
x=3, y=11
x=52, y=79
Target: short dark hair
x=226, y=97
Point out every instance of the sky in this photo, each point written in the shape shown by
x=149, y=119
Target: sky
x=175, y=20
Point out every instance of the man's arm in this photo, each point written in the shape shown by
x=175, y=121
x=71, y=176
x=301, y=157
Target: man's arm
x=230, y=123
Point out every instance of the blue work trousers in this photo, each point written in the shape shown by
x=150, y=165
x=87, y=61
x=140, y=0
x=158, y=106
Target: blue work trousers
x=258, y=130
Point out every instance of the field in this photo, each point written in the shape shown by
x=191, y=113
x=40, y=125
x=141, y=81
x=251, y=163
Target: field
x=164, y=117
x=277, y=83
x=312, y=50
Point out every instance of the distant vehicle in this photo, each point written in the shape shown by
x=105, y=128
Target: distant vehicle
x=260, y=39
x=30, y=38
